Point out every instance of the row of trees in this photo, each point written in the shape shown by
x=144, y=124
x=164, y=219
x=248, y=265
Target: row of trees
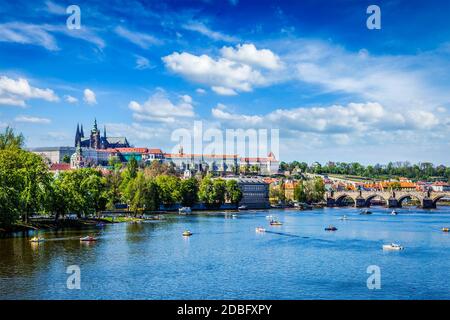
x=420, y=171
x=310, y=191
x=28, y=187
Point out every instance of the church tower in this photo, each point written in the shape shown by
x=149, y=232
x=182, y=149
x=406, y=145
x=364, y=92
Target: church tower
x=95, y=137
x=77, y=136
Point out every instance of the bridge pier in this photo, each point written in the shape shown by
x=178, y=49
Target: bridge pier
x=393, y=203
x=331, y=202
x=428, y=203
x=360, y=202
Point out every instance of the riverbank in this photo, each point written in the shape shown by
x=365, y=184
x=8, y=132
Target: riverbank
x=51, y=224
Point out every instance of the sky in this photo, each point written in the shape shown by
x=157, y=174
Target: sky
x=335, y=90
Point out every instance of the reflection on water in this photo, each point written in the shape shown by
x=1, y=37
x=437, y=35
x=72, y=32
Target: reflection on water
x=226, y=258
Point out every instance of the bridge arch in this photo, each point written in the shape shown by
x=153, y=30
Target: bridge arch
x=340, y=199
x=373, y=196
x=408, y=196
x=439, y=197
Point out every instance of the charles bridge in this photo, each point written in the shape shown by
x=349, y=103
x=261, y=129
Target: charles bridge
x=393, y=199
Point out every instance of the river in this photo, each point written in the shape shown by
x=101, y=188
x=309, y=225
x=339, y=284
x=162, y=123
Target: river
x=226, y=259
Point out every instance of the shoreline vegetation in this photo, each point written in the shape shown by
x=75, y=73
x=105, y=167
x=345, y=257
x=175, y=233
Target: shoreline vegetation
x=28, y=188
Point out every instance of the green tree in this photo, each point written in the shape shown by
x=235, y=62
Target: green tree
x=66, y=159
x=212, y=192
x=300, y=192
x=189, y=192
x=10, y=140
x=233, y=192
x=170, y=189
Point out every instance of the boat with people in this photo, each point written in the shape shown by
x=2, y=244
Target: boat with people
x=394, y=213
x=187, y=233
x=88, y=238
x=331, y=228
x=392, y=246
x=344, y=217
x=185, y=210
x=446, y=229
x=260, y=229
x=37, y=239
x=243, y=207
x=275, y=223
x=365, y=211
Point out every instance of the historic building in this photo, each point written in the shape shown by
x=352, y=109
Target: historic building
x=96, y=140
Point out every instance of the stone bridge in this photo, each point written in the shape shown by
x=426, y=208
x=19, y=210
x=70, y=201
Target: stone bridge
x=393, y=199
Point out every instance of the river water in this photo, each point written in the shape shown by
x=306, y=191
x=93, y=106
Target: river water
x=226, y=259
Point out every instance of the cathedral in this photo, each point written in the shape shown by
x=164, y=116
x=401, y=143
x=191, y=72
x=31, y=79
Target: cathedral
x=98, y=141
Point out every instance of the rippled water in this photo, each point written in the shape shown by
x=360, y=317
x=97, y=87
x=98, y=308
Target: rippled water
x=226, y=259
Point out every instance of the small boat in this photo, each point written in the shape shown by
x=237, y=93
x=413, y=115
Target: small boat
x=260, y=229
x=344, y=217
x=184, y=210
x=243, y=207
x=365, y=212
x=331, y=228
x=394, y=213
x=37, y=239
x=234, y=216
x=392, y=246
x=446, y=229
x=275, y=223
x=88, y=238
x=187, y=233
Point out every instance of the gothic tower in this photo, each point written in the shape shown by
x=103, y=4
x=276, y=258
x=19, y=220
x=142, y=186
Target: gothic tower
x=95, y=137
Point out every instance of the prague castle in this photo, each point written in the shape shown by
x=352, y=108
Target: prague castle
x=98, y=141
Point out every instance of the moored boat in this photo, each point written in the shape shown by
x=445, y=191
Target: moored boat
x=331, y=228
x=37, y=239
x=88, y=238
x=392, y=246
x=366, y=211
x=243, y=207
x=394, y=213
x=184, y=210
x=187, y=233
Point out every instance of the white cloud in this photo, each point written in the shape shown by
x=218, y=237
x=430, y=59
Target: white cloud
x=31, y=119
x=142, y=40
x=204, y=30
x=247, y=53
x=142, y=63
x=200, y=91
x=27, y=34
x=70, y=99
x=359, y=118
x=89, y=97
x=160, y=109
x=55, y=8
x=41, y=35
x=222, y=72
x=223, y=91
x=16, y=92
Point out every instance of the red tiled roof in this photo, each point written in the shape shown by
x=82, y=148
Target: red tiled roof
x=60, y=167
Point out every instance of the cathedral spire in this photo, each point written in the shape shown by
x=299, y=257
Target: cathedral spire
x=77, y=135
x=95, y=125
x=82, y=131
x=104, y=132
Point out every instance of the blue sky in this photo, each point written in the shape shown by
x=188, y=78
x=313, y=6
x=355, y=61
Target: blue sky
x=335, y=89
